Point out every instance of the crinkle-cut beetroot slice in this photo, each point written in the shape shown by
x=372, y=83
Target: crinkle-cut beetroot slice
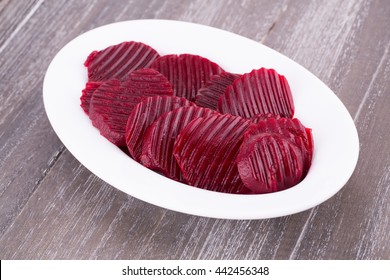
x=148, y=82
x=303, y=138
x=144, y=114
x=113, y=101
x=269, y=163
x=263, y=117
x=159, y=139
x=86, y=95
x=206, y=151
x=186, y=72
x=292, y=129
x=261, y=91
x=117, y=61
x=209, y=94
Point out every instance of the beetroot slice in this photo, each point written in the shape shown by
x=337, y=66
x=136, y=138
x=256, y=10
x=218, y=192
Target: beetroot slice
x=186, y=72
x=87, y=93
x=206, y=151
x=117, y=61
x=269, y=162
x=291, y=129
x=145, y=114
x=258, y=92
x=113, y=101
x=209, y=94
x=264, y=117
x=159, y=139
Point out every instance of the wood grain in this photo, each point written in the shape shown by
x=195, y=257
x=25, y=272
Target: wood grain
x=51, y=207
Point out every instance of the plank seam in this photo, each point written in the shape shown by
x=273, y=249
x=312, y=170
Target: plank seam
x=51, y=164
x=284, y=9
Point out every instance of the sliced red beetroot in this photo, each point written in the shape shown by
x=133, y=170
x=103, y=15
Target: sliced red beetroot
x=263, y=117
x=86, y=95
x=209, y=94
x=159, y=139
x=117, y=61
x=113, y=101
x=258, y=92
x=186, y=72
x=291, y=129
x=206, y=151
x=144, y=114
x=269, y=162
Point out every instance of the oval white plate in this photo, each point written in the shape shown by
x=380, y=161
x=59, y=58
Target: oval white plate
x=335, y=136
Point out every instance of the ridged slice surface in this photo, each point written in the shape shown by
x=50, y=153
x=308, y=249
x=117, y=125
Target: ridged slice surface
x=186, y=72
x=159, y=139
x=291, y=129
x=144, y=114
x=269, y=163
x=86, y=95
x=117, y=61
x=263, y=117
x=261, y=91
x=113, y=101
x=209, y=94
x=206, y=151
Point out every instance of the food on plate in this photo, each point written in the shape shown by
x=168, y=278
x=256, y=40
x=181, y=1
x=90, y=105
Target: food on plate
x=209, y=94
x=269, y=162
x=113, y=100
x=87, y=93
x=186, y=72
x=159, y=139
x=261, y=91
x=186, y=118
x=117, y=61
x=206, y=151
x=144, y=114
x=291, y=129
x=263, y=117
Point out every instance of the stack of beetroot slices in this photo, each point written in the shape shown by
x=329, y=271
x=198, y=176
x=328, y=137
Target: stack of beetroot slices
x=188, y=119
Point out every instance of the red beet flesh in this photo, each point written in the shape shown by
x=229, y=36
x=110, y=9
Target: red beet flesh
x=291, y=129
x=113, y=101
x=206, y=151
x=258, y=92
x=159, y=139
x=87, y=93
x=186, y=72
x=209, y=94
x=240, y=139
x=263, y=117
x=117, y=61
x=144, y=114
x=269, y=162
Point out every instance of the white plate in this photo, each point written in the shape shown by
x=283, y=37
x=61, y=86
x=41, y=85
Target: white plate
x=335, y=136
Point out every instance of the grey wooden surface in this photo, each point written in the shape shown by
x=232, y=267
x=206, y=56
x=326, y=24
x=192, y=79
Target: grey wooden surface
x=51, y=207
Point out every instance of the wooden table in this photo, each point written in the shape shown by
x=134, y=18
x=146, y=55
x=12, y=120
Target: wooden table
x=51, y=207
